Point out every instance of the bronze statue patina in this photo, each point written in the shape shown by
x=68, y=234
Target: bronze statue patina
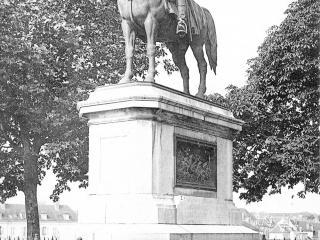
x=182, y=28
x=162, y=21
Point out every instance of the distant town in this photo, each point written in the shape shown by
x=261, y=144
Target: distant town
x=276, y=226
x=57, y=222
x=60, y=222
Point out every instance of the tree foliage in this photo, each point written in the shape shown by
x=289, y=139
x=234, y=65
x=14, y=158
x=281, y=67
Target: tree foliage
x=52, y=54
x=279, y=144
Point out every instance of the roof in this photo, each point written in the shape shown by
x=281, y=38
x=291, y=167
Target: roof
x=297, y=215
x=246, y=213
x=316, y=226
x=285, y=225
x=16, y=212
x=279, y=229
x=287, y=222
x=304, y=226
x=265, y=223
x=248, y=225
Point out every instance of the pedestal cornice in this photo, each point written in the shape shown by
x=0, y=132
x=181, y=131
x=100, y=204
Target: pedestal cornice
x=159, y=103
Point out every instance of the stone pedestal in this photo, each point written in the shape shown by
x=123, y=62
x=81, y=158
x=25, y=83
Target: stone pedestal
x=160, y=166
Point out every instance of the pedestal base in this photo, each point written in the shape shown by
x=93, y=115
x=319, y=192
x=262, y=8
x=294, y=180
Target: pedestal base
x=160, y=166
x=168, y=232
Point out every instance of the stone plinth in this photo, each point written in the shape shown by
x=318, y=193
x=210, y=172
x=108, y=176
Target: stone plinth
x=167, y=232
x=142, y=139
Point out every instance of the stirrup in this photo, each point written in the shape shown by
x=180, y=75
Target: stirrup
x=182, y=28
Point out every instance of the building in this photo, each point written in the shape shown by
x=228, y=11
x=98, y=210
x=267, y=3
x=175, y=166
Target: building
x=316, y=231
x=286, y=229
x=259, y=222
x=248, y=217
x=265, y=225
x=306, y=227
x=56, y=222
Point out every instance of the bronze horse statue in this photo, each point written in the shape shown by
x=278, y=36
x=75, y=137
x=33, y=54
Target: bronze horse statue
x=151, y=21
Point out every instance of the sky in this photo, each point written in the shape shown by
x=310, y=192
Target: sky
x=241, y=27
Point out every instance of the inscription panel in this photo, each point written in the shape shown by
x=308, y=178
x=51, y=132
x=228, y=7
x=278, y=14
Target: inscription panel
x=196, y=164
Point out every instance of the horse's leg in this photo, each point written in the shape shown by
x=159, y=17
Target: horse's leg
x=151, y=25
x=202, y=66
x=178, y=57
x=184, y=70
x=129, y=36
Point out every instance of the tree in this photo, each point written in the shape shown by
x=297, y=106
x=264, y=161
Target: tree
x=35, y=106
x=279, y=144
x=52, y=54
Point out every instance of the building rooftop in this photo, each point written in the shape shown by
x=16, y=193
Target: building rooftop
x=285, y=225
x=16, y=212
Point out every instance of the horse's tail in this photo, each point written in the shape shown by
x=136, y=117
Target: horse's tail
x=211, y=41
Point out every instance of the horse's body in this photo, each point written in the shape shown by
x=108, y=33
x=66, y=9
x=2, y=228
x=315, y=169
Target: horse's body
x=151, y=21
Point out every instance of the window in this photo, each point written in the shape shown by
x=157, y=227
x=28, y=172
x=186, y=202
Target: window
x=44, y=231
x=66, y=216
x=56, y=233
x=44, y=216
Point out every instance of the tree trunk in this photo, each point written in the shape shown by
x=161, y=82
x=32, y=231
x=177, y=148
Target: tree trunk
x=30, y=190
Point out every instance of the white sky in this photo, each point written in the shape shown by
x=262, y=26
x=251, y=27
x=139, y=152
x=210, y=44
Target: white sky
x=241, y=28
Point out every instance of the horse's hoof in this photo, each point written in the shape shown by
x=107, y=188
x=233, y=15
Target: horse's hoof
x=200, y=95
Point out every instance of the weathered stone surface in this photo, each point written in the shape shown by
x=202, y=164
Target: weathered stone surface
x=148, y=96
x=132, y=163
x=170, y=232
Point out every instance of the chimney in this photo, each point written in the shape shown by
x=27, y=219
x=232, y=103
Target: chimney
x=2, y=206
x=57, y=206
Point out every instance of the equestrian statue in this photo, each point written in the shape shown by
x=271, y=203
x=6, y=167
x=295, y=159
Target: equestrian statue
x=179, y=24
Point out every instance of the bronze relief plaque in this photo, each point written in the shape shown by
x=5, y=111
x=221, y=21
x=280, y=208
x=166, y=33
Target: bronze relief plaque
x=196, y=164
